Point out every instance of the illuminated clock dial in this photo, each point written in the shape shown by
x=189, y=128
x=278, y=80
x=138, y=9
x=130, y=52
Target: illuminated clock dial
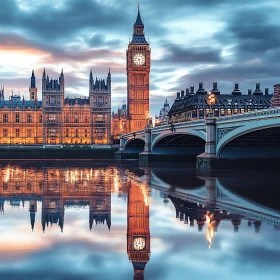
x=139, y=59
x=139, y=243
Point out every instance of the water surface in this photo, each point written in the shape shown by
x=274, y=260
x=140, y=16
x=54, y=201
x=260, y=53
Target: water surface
x=104, y=221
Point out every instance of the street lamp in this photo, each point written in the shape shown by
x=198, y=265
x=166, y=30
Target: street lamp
x=211, y=100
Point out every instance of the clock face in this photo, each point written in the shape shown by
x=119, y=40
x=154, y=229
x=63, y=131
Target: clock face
x=139, y=59
x=139, y=243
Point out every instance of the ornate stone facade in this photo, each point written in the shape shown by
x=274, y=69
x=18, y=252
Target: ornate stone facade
x=138, y=77
x=56, y=119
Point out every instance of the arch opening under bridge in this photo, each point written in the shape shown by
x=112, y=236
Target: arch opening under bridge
x=262, y=142
x=179, y=144
x=134, y=146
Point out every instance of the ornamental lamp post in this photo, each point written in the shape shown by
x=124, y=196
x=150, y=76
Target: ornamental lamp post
x=211, y=100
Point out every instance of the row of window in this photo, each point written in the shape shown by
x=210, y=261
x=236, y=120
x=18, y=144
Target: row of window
x=18, y=119
x=29, y=133
x=50, y=118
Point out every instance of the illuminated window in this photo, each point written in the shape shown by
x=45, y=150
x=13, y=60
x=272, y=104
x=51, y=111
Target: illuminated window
x=52, y=132
x=29, y=118
x=29, y=132
x=17, y=118
x=5, y=132
x=229, y=111
x=52, y=117
x=17, y=132
x=5, y=118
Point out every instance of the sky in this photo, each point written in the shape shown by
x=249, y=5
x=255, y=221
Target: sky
x=224, y=41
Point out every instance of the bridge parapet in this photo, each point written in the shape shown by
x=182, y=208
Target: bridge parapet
x=260, y=114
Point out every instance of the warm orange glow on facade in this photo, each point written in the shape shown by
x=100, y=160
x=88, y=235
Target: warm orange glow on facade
x=138, y=230
x=55, y=119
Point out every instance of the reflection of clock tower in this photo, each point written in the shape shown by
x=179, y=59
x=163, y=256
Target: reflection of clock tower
x=138, y=74
x=138, y=232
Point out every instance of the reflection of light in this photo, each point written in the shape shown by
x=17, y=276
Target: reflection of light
x=116, y=184
x=210, y=231
x=7, y=175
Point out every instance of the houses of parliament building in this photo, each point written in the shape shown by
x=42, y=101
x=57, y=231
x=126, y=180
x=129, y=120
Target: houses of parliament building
x=83, y=120
x=56, y=119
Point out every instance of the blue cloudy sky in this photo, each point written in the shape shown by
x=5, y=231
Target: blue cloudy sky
x=196, y=40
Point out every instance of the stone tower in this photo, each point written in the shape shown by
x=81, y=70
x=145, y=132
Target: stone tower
x=100, y=104
x=52, y=103
x=2, y=97
x=138, y=229
x=138, y=77
x=32, y=88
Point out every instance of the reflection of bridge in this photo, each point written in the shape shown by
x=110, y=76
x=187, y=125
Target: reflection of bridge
x=213, y=195
x=249, y=135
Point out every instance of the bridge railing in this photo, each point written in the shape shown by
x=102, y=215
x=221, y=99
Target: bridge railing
x=134, y=134
x=249, y=115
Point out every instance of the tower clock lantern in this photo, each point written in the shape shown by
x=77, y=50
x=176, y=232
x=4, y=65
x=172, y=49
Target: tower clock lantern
x=138, y=77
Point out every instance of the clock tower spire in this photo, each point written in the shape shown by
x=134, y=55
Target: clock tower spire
x=138, y=77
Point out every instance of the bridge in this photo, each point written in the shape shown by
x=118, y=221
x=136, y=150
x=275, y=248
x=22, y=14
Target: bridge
x=254, y=134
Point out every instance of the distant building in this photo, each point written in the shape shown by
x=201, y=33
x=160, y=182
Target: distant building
x=55, y=119
x=119, y=123
x=275, y=101
x=163, y=114
x=193, y=105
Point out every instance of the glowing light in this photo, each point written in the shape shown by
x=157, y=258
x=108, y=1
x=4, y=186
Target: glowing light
x=210, y=231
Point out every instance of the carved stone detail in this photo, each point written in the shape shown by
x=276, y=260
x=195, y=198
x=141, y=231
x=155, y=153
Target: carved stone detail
x=222, y=132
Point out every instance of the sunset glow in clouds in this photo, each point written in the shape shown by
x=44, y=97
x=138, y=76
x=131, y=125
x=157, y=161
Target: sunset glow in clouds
x=191, y=41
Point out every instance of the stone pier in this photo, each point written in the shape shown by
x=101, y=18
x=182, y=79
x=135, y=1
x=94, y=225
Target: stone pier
x=208, y=160
x=145, y=157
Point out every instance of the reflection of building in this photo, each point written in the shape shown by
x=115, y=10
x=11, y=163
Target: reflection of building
x=189, y=212
x=56, y=119
x=193, y=105
x=163, y=114
x=138, y=230
x=59, y=189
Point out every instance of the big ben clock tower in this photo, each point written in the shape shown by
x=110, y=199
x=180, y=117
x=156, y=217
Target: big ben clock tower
x=138, y=230
x=138, y=77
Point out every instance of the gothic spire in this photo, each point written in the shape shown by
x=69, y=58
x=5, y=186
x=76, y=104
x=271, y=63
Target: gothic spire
x=138, y=37
x=138, y=21
x=33, y=80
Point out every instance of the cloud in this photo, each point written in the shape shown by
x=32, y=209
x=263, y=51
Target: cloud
x=191, y=41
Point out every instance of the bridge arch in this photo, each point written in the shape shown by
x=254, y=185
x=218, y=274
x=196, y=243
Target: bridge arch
x=251, y=141
x=178, y=143
x=134, y=145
